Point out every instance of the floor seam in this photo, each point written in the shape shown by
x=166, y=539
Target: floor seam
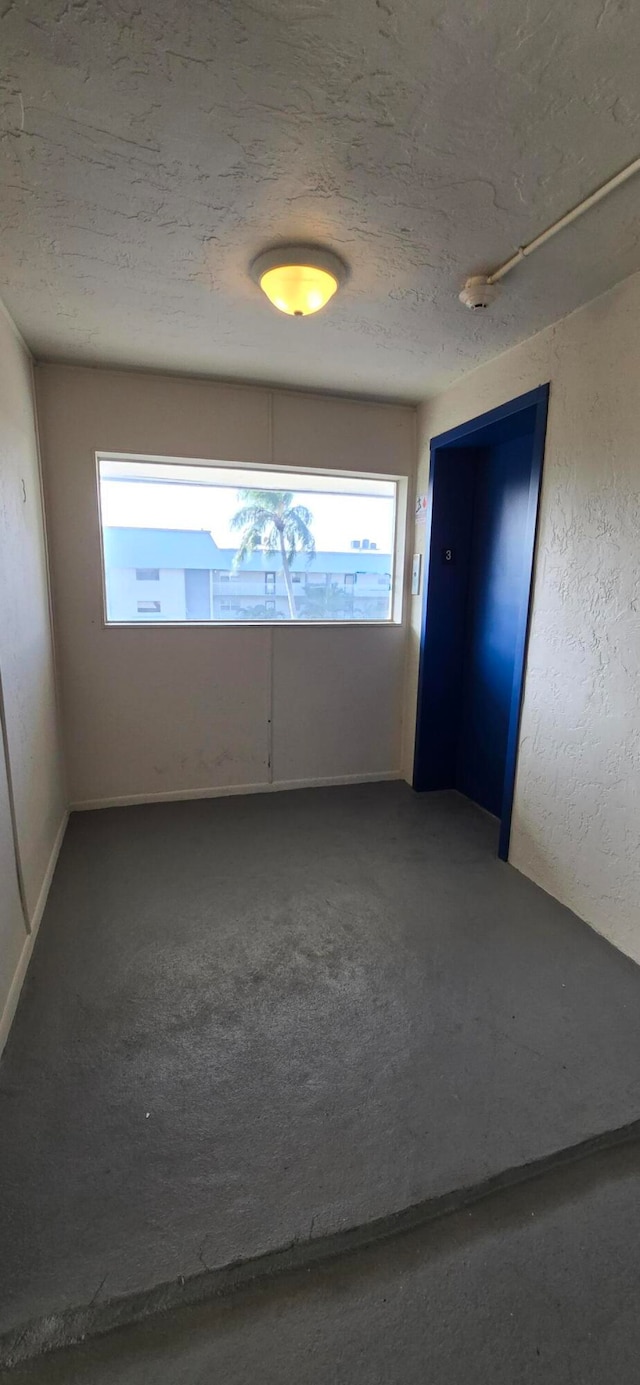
x=56, y=1331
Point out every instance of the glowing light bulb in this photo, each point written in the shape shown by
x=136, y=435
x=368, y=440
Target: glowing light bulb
x=298, y=280
x=298, y=289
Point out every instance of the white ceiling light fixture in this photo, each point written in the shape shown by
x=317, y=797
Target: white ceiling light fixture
x=298, y=279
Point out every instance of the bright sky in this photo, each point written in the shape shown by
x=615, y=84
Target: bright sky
x=190, y=497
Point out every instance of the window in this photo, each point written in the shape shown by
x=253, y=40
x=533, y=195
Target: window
x=291, y=542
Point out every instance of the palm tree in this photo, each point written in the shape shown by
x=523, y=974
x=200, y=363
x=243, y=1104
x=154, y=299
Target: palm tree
x=271, y=521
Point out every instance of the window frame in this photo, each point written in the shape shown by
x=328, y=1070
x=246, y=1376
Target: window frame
x=398, y=586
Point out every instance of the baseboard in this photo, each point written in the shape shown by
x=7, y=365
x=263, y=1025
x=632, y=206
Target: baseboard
x=229, y=790
x=11, y=1004
x=376, y=777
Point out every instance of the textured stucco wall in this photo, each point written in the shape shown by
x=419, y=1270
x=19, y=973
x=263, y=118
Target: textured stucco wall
x=26, y=663
x=155, y=710
x=576, y=823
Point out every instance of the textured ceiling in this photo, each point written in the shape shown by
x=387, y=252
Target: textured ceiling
x=150, y=150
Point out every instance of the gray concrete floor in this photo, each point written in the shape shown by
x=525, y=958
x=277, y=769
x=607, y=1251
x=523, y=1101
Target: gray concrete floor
x=254, y=1020
x=537, y=1286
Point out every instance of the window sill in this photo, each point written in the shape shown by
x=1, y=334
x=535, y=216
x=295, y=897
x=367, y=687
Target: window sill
x=251, y=624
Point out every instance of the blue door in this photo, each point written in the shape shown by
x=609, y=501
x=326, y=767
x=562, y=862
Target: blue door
x=499, y=527
x=484, y=488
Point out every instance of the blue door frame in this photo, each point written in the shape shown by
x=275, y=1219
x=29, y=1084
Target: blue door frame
x=442, y=639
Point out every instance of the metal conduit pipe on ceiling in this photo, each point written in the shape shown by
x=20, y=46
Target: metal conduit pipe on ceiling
x=479, y=290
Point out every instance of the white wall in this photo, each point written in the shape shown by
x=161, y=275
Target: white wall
x=186, y=710
x=34, y=768
x=125, y=590
x=13, y=930
x=576, y=822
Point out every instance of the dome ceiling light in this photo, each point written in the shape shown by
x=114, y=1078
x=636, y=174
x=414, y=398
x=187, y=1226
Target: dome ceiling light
x=298, y=279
